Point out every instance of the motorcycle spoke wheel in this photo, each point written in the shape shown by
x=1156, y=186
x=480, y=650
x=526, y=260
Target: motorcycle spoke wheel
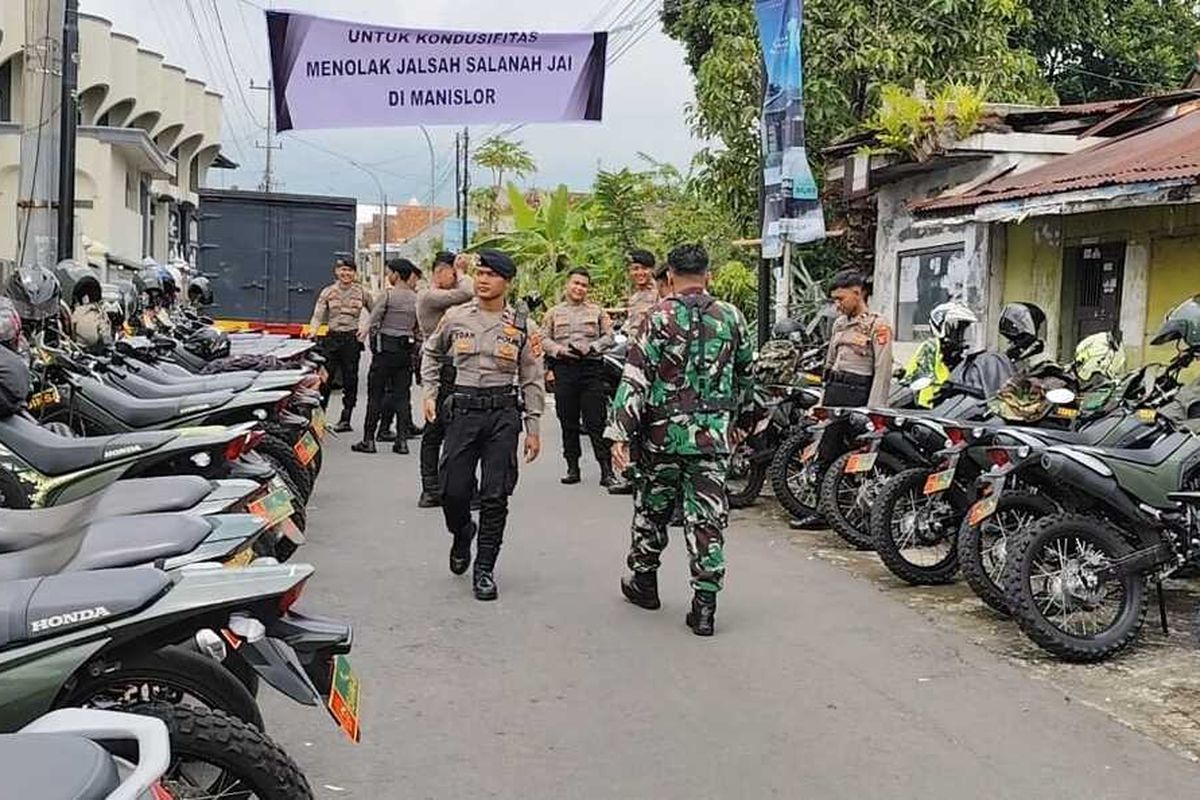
x=912, y=530
x=994, y=537
x=191, y=779
x=1066, y=591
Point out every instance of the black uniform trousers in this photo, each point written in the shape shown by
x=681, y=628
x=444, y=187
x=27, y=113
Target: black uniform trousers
x=581, y=391
x=435, y=432
x=342, y=352
x=842, y=390
x=389, y=383
x=483, y=427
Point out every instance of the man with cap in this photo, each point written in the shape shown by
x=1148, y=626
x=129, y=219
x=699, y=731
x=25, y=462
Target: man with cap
x=577, y=332
x=497, y=355
x=450, y=286
x=685, y=405
x=340, y=306
x=393, y=334
x=645, y=292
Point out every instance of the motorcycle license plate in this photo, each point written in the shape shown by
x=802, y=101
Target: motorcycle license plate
x=306, y=449
x=982, y=509
x=49, y=397
x=860, y=462
x=939, y=481
x=241, y=558
x=318, y=422
x=344, y=698
x=274, y=508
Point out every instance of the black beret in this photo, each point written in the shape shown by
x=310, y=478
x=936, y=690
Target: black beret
x=444, y=257
x=643, y=257
x=402, y=267
x=498, y=263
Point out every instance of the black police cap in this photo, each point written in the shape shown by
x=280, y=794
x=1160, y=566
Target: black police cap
x=402, y=267
x=498, y=263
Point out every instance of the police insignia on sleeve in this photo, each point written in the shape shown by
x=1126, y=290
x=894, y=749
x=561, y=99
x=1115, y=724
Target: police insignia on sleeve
x=883, y=334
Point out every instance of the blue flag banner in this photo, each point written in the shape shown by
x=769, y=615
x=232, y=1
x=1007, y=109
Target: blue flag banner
x=792, y=210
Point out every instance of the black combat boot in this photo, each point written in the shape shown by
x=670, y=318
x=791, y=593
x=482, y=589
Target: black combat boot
x=484, y=585
x=607, y=479
x=400, y=446
x=703, y=614
x=809, y=522
x=343, y=425
x=460, y=551
x=365, y=446
x=429, y=499
x=641, y=589
x=572, y=476
x=620, y=486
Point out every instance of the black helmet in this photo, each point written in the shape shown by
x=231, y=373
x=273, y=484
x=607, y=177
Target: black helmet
x=121, y=302
x=784, y=328
x=208, y=343
x=1021, y=324
x=170, y=283
x=147, y=281
x=35, y=293
x=1182, y=324
x=10, y=324
x=79, y=282
x=200, y=292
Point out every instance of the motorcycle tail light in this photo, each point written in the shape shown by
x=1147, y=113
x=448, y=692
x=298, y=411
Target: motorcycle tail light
x=879, y=422
x=999, y=456
x=956, y=435
x=820, y=413
x=242, y=444
x=157, y=792
x=290, y=597
x=252, y=440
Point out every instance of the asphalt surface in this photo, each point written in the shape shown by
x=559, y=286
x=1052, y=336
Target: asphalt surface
x=817, y=685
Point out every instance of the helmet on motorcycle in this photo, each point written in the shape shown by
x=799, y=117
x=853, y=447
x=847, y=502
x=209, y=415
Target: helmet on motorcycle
x=148, y=282
x=1182, y=324
x=10, y=324
x=208, y=343
x=949, y=321
x=35, y=293
x=1021, y=324
x=171, y=279
x=200, y=292
x=79, y=282
x=1101, y=355
x=784, y=328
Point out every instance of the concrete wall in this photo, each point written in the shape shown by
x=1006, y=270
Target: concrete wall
x=1162, y=266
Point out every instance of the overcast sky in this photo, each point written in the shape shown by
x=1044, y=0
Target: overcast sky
x=647, y=89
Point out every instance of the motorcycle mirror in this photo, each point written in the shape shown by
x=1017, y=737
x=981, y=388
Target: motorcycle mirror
x=920, y=384
x=1060, y=397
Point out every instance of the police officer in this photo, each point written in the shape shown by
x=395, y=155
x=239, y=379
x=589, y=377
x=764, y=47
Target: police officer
x=577, y=332
x=858, y=364
x=645, y=291
x=497, y=353
x=686, y=406
x=340, y=306
x=450, y=286
x=388, y=418
x=393, y=334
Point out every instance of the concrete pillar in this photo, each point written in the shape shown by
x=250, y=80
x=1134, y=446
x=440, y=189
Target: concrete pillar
x=1134, y=293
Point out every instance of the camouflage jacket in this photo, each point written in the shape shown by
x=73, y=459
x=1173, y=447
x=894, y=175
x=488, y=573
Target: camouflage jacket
x=687, y=379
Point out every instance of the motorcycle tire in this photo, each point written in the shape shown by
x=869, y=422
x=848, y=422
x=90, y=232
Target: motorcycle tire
x=745, y=489
x=850, y=523
x=982, y=548
x=13, y=493
x=175, y=668
x=1023, y=562
x=291, y=436
x=283, y=457
x=247, y=759
x=901, y=551
x=784, y=473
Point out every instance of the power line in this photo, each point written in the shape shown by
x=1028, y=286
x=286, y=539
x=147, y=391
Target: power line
x=232, y=64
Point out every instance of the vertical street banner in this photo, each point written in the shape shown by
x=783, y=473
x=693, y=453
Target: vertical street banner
x=792, y=210
x=330, y=73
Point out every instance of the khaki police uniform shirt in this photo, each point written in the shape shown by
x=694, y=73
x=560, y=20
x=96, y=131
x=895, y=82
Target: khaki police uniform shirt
x=585, y=325
x=862, y=345
x=396, y=313
x=341, y=309
x=433, y=302
x=488, y=350
x=641, y=303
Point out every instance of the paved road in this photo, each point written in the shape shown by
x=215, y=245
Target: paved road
x=816, y=686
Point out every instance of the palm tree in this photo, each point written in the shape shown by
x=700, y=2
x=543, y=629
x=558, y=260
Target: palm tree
x=502, y=156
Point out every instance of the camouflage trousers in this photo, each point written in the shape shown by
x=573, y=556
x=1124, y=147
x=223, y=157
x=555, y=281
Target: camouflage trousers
x=697, y=484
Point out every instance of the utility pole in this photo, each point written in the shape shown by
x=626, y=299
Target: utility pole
x=41, y=103
x=70, y=110
x=268, y=180
x=466, y=184
x=457, y=175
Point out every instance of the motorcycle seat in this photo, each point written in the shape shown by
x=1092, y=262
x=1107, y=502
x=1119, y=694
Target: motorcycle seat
x=1152, y=456
x=52, y=454
x=171, y=373
x=149, y=390
x=225, y=494
x=138, y=413
x=36, y=608
x=57, y=766
x=144, y=539
x=149, y=495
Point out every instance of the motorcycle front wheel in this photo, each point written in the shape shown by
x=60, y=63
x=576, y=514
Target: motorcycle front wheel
x=913, y=533
x=846, y=499
x=793, y=482
x=744, y=482
x=1052, y=589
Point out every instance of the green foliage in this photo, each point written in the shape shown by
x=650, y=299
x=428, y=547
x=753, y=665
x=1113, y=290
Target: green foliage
x=1105, y=49
x=737, y=283
x=501, y=157
x=909, y=124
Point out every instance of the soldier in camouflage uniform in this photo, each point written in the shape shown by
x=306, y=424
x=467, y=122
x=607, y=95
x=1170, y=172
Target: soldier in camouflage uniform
x=686, y=397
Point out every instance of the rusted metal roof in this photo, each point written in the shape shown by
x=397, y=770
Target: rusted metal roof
x=1166, y=151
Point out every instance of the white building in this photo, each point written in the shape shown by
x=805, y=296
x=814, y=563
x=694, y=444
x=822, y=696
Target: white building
x=148, y=134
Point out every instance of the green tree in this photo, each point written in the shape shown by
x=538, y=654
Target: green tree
x=1105, y=49
x=501, y=157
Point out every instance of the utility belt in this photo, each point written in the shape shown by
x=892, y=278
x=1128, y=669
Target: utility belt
x=340, y=336
x=386, y=343
x=658, y=414
x=848, y=379
x=475, y=398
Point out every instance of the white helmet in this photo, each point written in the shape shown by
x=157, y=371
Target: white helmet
x=951, y=320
